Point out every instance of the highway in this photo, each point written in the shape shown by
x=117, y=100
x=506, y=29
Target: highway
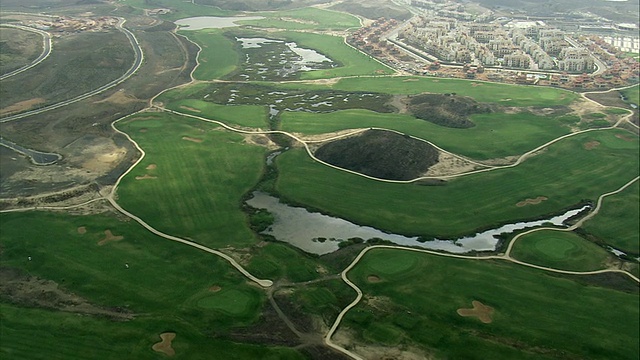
x=139, y=56
x=46, y=49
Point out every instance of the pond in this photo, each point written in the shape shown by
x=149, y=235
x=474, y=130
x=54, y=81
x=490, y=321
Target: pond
x=212, y=22
x=320, y=234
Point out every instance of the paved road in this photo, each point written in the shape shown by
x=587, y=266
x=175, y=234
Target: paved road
x=139, y=56
x=46, y=49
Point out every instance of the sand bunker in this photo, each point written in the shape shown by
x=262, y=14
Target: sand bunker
x=410, y=80
x=190, y=108
x=191, y=139
x=151, y=167
x=373, y=278
x=535, y=201
x=476, y=84
x=109, y=237
x=146, y=176
x=591, y=145
x=481, y=311
x=165, y=345
x=82, y=230
x=215, y=288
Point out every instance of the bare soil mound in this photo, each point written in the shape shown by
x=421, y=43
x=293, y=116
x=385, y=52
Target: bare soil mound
x=382, y=154
x=109, y=237
x=535, y=201
x=373, y=278
x=82, y=230
x=196, y=140
x=447, y=110
x=165, y=345
x=480, y=310
x=215, y=288
x=591, y=145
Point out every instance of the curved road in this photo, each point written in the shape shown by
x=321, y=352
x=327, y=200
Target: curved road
x=46, y=49
x=139, y=56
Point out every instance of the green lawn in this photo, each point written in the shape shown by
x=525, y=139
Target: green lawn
x=535, y=316
x=276, y=260
x=566, y=174
x=632, y=94
x=243, y=115
x=305, y=19
x=560, y=250
x=218, y=56
x=160, y=288
x=495, y=135
x=617, y=222
x=198, y=180
x=504, y=94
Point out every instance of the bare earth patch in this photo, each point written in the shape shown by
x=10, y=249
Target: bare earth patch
x=189, y=108
x=109, y=237
x=165, y=345
x=373, y=278
x=196, y=140
x=449, y=164
x=476, y=84
x=119, y=97
x=410, y=80
x=21, y=106
x=480, y=310
x=82, y=230
x=535, y=201
x=591, y=145
x=215, y=288
x=623, y=137
x=145, y=177
x=151, y=167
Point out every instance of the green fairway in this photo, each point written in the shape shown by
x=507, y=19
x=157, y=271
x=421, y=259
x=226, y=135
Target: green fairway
x=192, y=179
x=560, y=250
x=535, y=316
x=305, y=19
x=617, y=224
x=632, y=94
x=507, y=95
x=179, y=9
x=231, y=302
x=218, y=56
x=566, y=174
x=276, y=260
x=495, y=135
x=352, y=61
x=157, y=288
x=243, y=115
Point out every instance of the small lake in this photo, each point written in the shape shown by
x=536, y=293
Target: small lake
x=212, y=22
x=302, y=229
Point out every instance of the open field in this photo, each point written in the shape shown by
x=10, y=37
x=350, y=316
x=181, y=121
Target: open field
x=243, y=115
x=199, y=177
x=179, y=9
x=276, y=261
x=218, y=56
x=305, y=19
x=507, y=95
x=415, y=299
x=494, y=135
x=160, y=289
x=566, y=174
x=560, y=250
x=617, y=222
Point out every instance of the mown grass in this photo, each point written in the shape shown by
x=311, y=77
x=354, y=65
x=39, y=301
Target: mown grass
x=305, y=19
x=218, y=56
x=179, y=9
x=560, y=250
x=566, y=173
x=276, y=260
x=352, y=62
x=617, y=224
x=535, y=316
x=632, y=94
x=243, y=115
x=494, y=135
x=504, y=94
x=198, y=186
x=160, y=287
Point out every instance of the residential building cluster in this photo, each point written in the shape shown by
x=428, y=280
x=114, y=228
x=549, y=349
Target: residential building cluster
x=518, y=45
